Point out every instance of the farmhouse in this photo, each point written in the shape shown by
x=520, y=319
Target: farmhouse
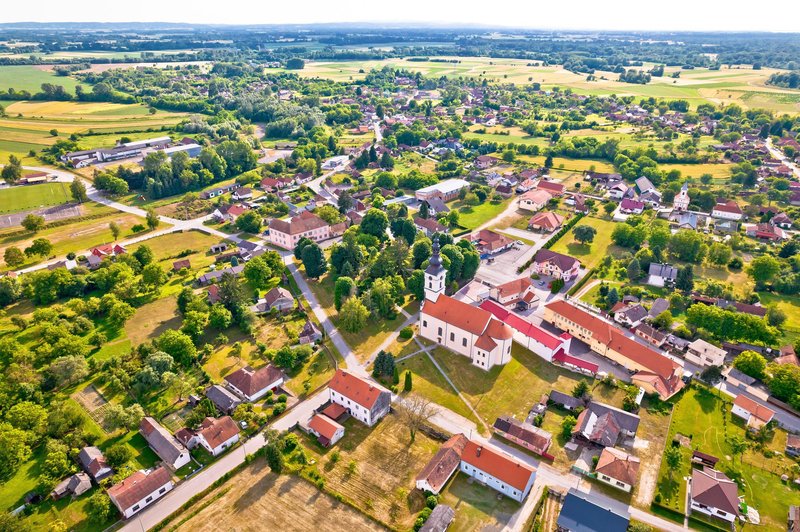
x=216, y=434
x=534, y=200
x=545, y=222
x=583, y=512
x=631, y=206
x=441, y=467
x=705, y=354
x=650, y=334
x=620, y=191
x=140, y=490
x=327, y=431
x=286, y=234
x=93, y=462
x=363, y=399
x=446, y=190
x=753, y=413
x=712, y=493
x=171, y=452
x=462, y=328
x=277, y=298
x=498, y=471
x=654, y=372
x=210, y=277
x=523, y=434
x=617, y=468
x=555, y=265
x=252, y=384
x=605, y=425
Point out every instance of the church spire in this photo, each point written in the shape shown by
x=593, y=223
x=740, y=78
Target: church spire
x=435, y=273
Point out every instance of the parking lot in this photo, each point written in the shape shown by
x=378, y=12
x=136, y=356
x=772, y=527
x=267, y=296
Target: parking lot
x=503, y=266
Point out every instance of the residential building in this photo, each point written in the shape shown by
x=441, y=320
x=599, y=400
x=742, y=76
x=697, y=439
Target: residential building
x=517, y=292
x=644, y=185
x=140, y=490
x=617, y=468
x=242, y=193
x=225, y=400
x=74, y=485
x=629, y=315
x=605, y=425
x=631, y=206
x=545, y=222
x=653, y=371
x=108, y=250
x=93, y=462
x=309, y=333
x=485, y=161
x=171, y=452
x=364, y=400
x=793, y=445
x=446, y=190
x=497, y=470
x=620, y=191
x=210, y=277
x=523, y=434
x=727, y=210
x=182, y=264
x=327, y=431
x=278, y=298
x=429, y=226
x=681, y=200
x=440, y=519
x=659, y=305
x=565, y=400
x=650, y=334
x=467, y=330
x=712, y=493
x=555, y=265
x=705, y=354
x=534, y=200
x=555, y=189
x=441, y=467
x=229, y=213
x=252, y=384
x=216, y=435
x=661, y=274
x=490, y=243
x=754, y=414
x=286, y=234
x=583, y=512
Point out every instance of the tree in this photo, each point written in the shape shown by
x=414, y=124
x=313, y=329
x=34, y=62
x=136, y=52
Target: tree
x=78, y=190
x=153, y=276
x=257, y=272
x=28, y=416
x=685, y=279
x=688, y=246
x=567, y=425
x=144, y=255
x=719, y=254
x=99, y=507
x=738, y=446
x=12, y=172
x=13, y=256
x=249, y=222
x=14, y=449
x=609, y=207
x=407, y=383
x=343, y=289
x=119, y=417
x=178, y=345
x=33, y=222
x=314, y=261
x=118, y=455
x=424, y=210
x=612, y=298
x=764, y=269
x=219, y=318
x=775, y=316
x=375, y=223
x=345, y=202
x=712, y=374
x=152, y=219
x=115, y=230
x=69, y=369
x=751, y=363
x=584, y=233
x=580, y=389
x=353, y=316
x=634, y=270
x=274, y=457
x=663, y=320
x=40, y=246
x=674, y=459
x=195, y=323
x=415, y=411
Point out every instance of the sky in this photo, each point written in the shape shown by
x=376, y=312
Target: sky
x=675, y=15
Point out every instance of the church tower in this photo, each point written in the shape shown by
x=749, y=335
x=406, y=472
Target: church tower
x=435, y=274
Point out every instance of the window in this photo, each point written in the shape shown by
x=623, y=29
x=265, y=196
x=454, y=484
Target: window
x=620, y=484
x=452, y=337
x=464, y=342
x=424, y=323
x=149, y=499
x=440, y=331
x=162, y=490
x=135, y=508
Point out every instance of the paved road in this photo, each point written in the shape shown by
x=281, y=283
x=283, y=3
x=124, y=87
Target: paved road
x=778, y=154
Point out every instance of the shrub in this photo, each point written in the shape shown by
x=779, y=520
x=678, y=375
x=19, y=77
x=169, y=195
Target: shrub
x=406, y=333
x=138, y=228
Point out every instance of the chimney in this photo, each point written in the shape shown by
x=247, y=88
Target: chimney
x=478, y=452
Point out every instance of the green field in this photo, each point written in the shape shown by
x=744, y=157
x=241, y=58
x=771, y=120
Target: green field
x=24, y=198
x=30, y=78
x=590, y=254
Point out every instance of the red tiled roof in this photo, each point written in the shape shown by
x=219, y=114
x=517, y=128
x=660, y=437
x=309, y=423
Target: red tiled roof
x=138, y=486
x=474, y=320
x=444, y=462
x=759, y=411
x=728, y=206
x=361, y=391
x=334, y=411
x=548, y=219
x=504, y=468
x=251, y=381
x=558, y=188
x=564, y=358
x=324, y=426
x=218, y=431
x=520, y=324
x=305, y=221
x=618, y=465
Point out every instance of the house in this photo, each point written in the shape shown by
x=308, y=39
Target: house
x=242, y=193
x=704, y=459
x=225, y=400
x=210, y=277
x=485, y=161
x=555, y=189
x=584, y=512
x=659, y=305
x=171, y=452
x=278, y=298
x=712, y=493
x=108, y=250
x=652, y=198
x=309, y=333
x=140, y=490
x=74, y=485
x=216, y=435
x=681, y=200
x=523, y=434
x=661, y=274
x=212, y=294
x=364, y=400
x=228, y=213
x=650, y=334
x=793, y=445
x=545, y=222
x=605, y=425
x=252, y=384
x=446, y=190
x=565, y=401
x=517, y=292
x=629, y=315
x=765, y=231
x=440, y=519
x=467, y=330
x=619, y=191
x=754, y=414
x=490, y=243
x=286, y=234
x=631, y=206
x=727, y=210
x=528, y=335
x=653, y=371
x=644, y=185
x=327, y=431
x=555, y=265
x=179, y=265
x=705, y=354
x=617, y=469
x=436, y=206
x=497, y=470
x=429, y=226
x=441, y=467
x=781, y=220
x=534, y=200
x=92, y=461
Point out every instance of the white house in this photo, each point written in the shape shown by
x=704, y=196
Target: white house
x=216, y=435
x=534, y=200
x=712, y=493
x=458, y=326
x=364, y=400
x=620, y=191
x=327, y=431
x=252, y=384
x=617, y=469
x=661, y=274
x=705, y=354
x=497, y=470
x=727, y=210
x=171, y=452
x=555, y=265
x=286, y=234
x=140, y=490
x=754, y=414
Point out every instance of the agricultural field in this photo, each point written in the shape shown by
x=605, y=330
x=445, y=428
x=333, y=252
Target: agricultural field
x=30, y=78
x=29, y=197
x=257, y=499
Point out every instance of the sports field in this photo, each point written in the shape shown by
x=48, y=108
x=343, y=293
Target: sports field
x=24, y=198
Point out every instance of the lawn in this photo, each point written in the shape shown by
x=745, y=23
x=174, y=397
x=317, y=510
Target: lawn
x=703, y=416
x=151, y=319
x=789, y=305
x=24, y=198
x=472, y=217
x=591, y=254
x=477, y=507
x=386, y=465
x=166, y=248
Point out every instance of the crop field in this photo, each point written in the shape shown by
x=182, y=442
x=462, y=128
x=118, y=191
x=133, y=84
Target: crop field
x=743, y=86
x=23, y=198
x=30, y=78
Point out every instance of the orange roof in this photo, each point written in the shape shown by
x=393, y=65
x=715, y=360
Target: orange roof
x=548, y=219
x=466, y=317
x=324, y=426
x=359, y=390
x=515, y=287
x=759, y=411
x=502, y=467
x=218, y=431
x=618, y=465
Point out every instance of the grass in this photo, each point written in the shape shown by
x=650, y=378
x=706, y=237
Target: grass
x=591, y=254
x=477, y=507
x=317, y=371
x=151, y=319
x=30, y=78
x=790, y=305
x=23, y=198
x=473, y=217
x=705, y=417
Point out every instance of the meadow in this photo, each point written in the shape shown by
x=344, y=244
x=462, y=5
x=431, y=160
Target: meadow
x=29, y=78
x=23, y=198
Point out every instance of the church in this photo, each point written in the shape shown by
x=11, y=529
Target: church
x=469, y=331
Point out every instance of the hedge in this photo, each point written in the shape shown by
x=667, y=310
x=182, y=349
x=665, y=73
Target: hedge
x=553, y=239
x=586, y=278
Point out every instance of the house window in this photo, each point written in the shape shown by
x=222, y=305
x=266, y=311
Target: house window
x=424, y=323
x=452, y=337
x=464, y=342
x=149, y=499
x=162, y=490
x=440, y=331
x=620, y=484
x=135, y=508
